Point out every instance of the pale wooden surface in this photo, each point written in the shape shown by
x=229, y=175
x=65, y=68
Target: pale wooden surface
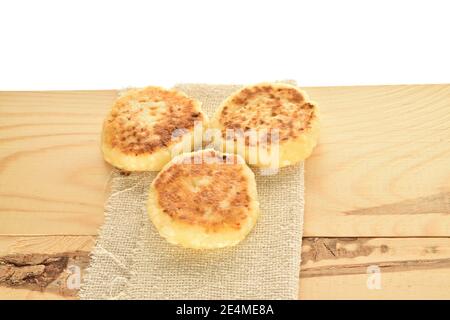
x=382, y=169
x=52, y=176
x=411, y=268
x=332, y=268
x=383, y=164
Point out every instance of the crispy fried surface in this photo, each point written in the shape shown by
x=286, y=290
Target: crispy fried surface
x=268, y=106
x=212, y=195
x=144, y=120
x=204, y=200
x=271, y=125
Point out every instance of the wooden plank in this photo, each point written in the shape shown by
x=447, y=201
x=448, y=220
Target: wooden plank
x=383, y=164
x=410, y=268
x=50, y=245
x=405, y=285
x=381, y=169
x=52, y=176
x=332, y=268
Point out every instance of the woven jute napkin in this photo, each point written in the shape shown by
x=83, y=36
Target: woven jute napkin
x=131, y=261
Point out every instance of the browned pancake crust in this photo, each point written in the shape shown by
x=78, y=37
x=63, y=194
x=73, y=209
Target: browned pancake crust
x=203, y=205
x=126, y=128
x=267, y=107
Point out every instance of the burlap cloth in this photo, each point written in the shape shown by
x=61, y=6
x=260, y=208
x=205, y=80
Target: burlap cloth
x=131, y=261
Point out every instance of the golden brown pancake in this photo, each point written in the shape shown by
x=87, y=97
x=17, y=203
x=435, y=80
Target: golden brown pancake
x=146, y=127
x=277, y=115
x=204, y=199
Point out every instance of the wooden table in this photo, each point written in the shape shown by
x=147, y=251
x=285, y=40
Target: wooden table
x=377, y=192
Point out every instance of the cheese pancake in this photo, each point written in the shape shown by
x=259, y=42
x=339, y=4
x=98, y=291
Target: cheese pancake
x=204, y=200
x=270, y=124
x=146, y=127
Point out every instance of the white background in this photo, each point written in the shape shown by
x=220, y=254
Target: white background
x=113, y=44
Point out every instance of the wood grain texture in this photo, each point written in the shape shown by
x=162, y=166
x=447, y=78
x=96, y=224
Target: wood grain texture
x=332, y=268
x=52, y=176
x=410, y=268
x=381, y=168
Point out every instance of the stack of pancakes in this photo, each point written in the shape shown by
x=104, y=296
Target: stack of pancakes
x=207, y=198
